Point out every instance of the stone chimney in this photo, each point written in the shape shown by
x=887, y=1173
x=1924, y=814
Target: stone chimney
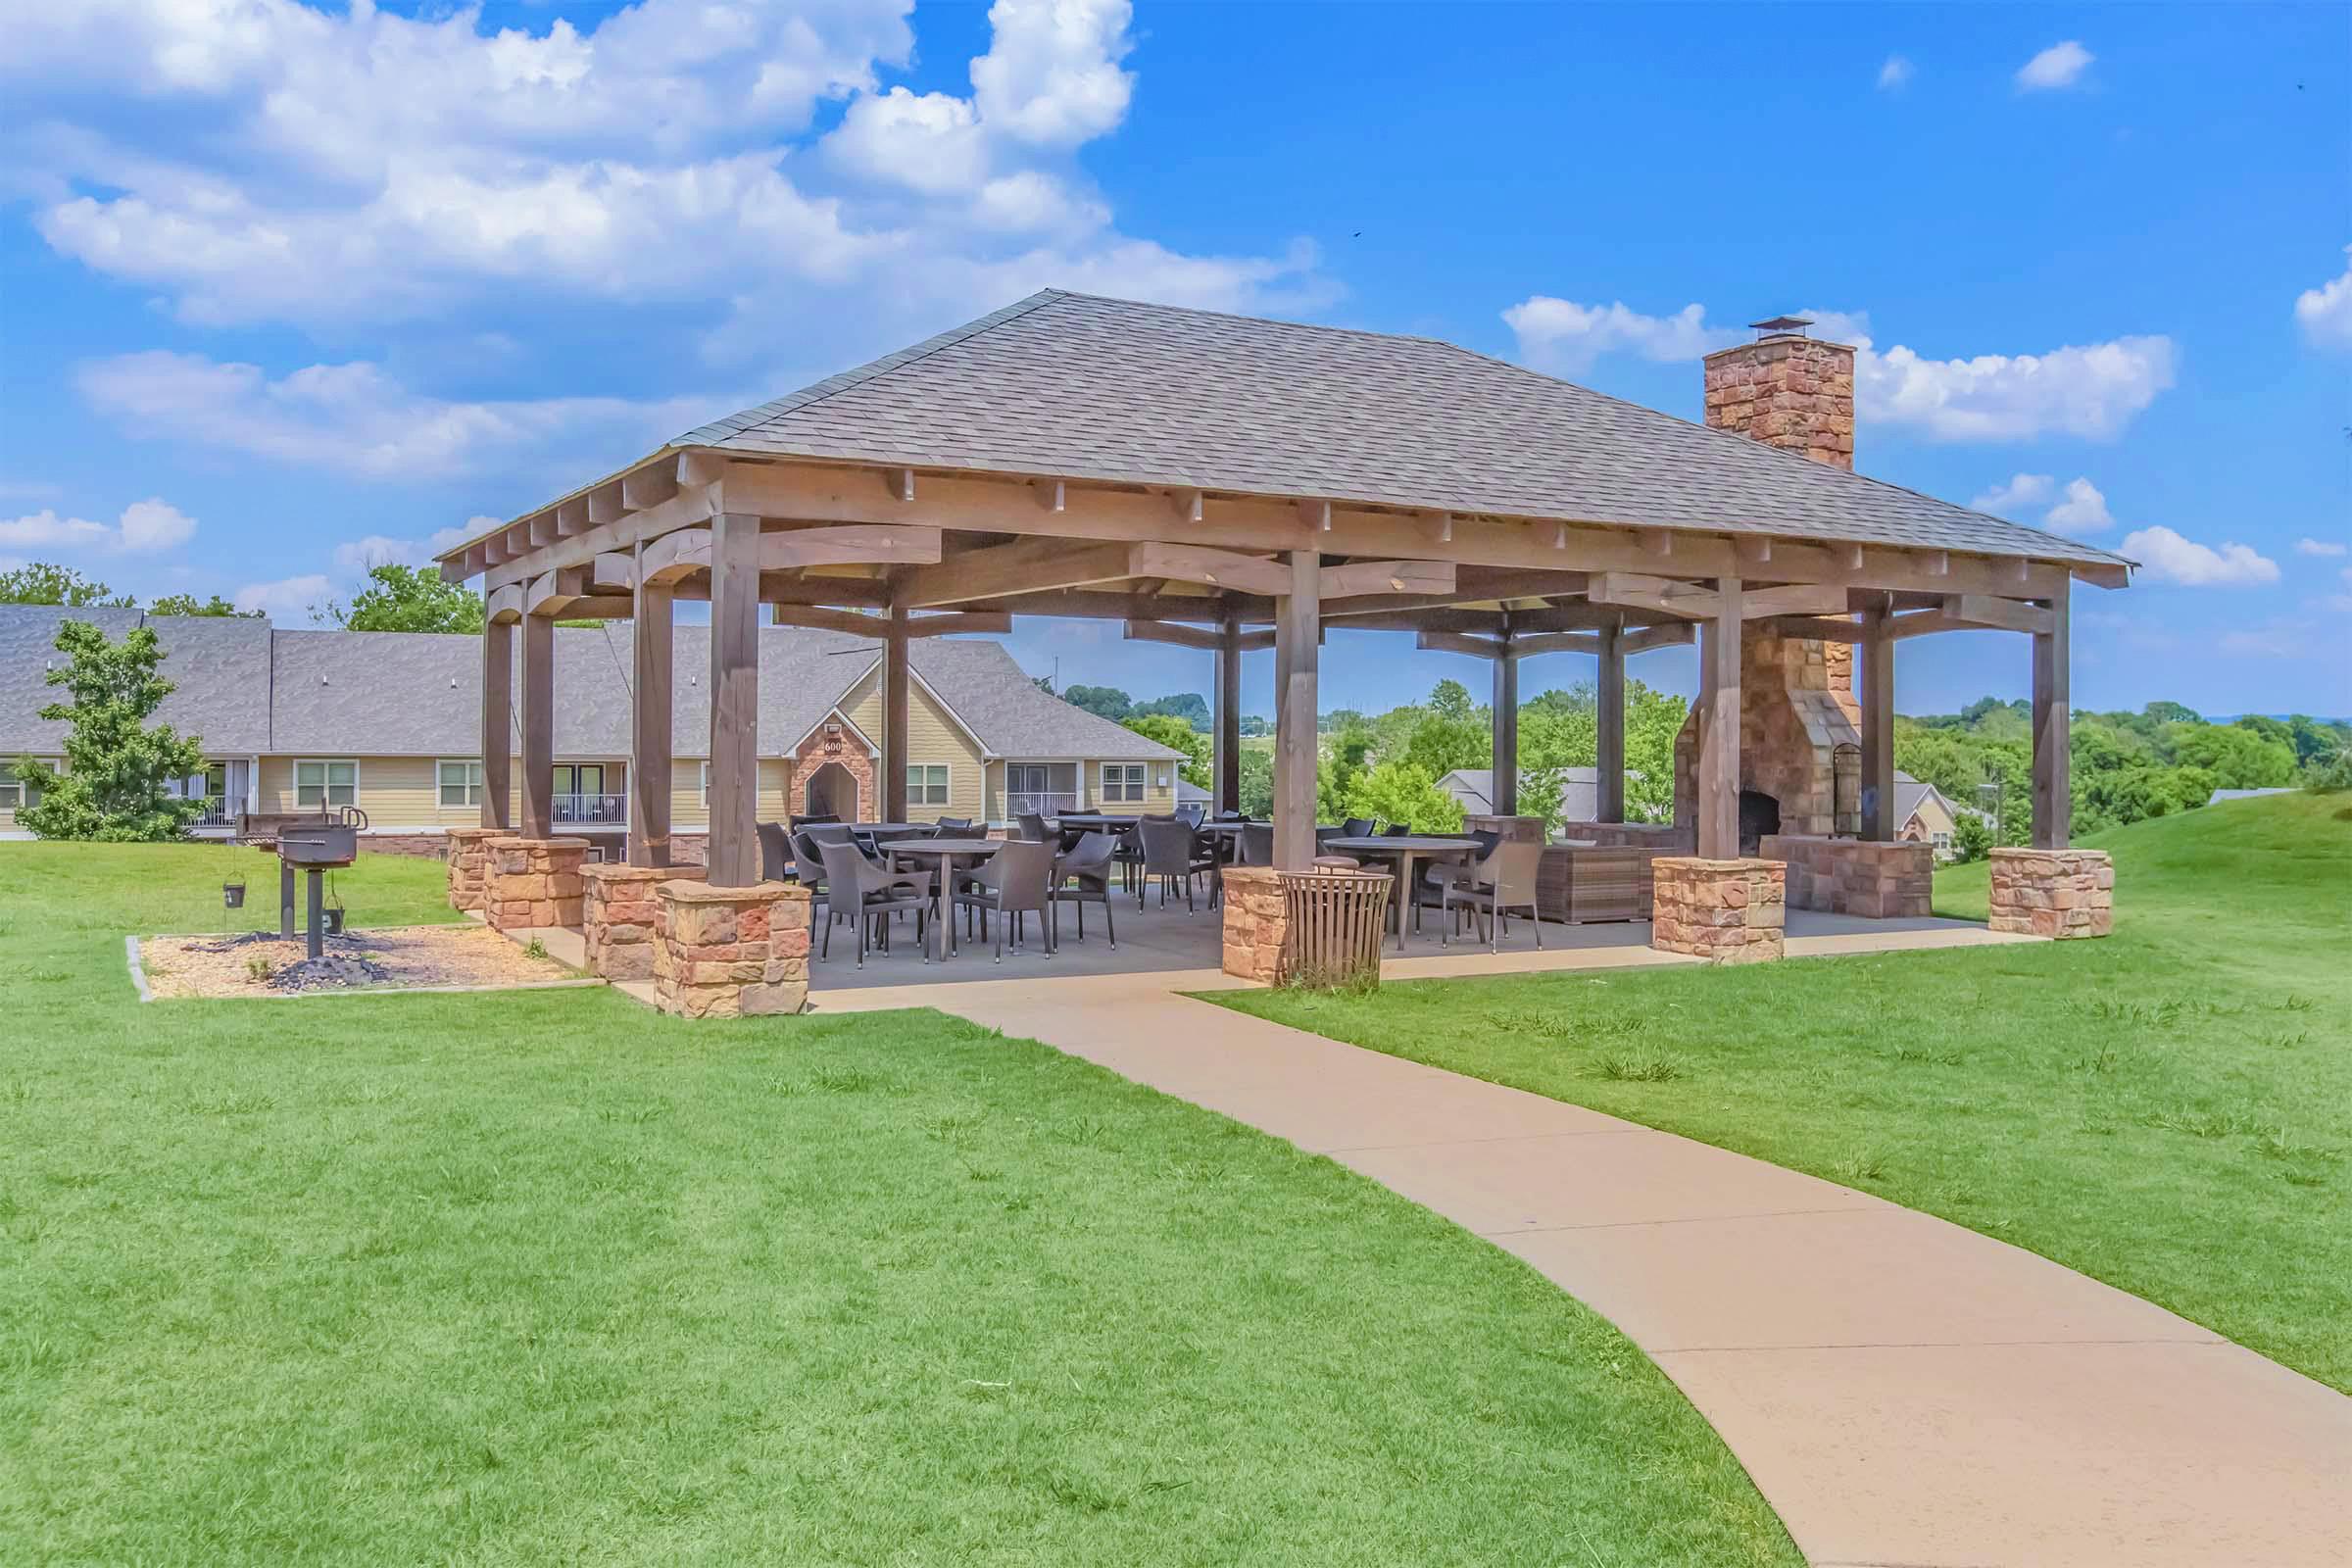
x=1788, y=390
x=1800, y=766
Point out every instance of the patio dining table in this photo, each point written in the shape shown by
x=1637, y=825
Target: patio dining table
x=1405, y=852
x=943, y=856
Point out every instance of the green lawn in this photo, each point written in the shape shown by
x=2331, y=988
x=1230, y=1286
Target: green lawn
x=2168, y=1109
x=543, y=1276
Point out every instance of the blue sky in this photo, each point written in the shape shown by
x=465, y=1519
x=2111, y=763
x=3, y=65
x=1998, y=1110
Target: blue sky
x=288, y=289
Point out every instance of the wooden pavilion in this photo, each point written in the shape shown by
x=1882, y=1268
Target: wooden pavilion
x=1230, y=484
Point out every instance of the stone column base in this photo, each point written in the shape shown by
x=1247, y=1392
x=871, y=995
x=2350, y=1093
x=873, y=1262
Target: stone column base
x=721, y=952
x=536, y=882
x=1730, y=911
x=1257, y=924
x=619, y=913
x=469, y=865
x=1879, y=881
x=2053, y=893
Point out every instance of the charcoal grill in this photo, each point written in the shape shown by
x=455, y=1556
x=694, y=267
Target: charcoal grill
x=317, y=847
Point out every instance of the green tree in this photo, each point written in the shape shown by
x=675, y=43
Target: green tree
x=41, y=582
x=190, y=604
x=1652, y=720
x=1441, y=743
x=2240, y=758
x=1103, y=701
x=118, y=770
x=400, y=598
x=1402, y=792
x=1450, y=699
x=1346, y=754
x=1191, y=707
x=1258, y=782
x=1972, y=840
x=1541, y=793
x=1178, y=735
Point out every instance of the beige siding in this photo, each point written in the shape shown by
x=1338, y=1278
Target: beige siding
x=405, y=791
x=689, y=810
x=932, y=738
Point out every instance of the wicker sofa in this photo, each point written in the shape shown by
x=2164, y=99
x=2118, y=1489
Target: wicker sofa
x=1583, y=879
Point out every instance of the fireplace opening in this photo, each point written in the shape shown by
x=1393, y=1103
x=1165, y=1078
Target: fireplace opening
x=1760, y=814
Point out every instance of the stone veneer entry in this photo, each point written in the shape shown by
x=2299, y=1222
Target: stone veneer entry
x=723, y=951
x=1855, y=876
x=1730, y=912
x=620, y=913
x=469, y=865
x=1257, y=922
x=536, y=882
x=2053, y=893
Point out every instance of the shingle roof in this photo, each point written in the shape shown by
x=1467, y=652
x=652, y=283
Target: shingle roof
x=1085, y=387
x=218, y=666
x=246, y=689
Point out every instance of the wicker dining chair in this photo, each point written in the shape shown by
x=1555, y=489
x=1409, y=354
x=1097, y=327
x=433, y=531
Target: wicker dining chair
x=1505, y=880
x=1172, y=854
x=1011, y=884
x=1082, y=876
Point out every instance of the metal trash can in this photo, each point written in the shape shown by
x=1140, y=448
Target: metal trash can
x=1337, y=921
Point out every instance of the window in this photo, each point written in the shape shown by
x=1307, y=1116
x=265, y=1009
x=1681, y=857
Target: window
x=1123, y=781
x=323, y=784
x=926, y=784
x=1941, y=841
x=461, y=783
x=15, y=794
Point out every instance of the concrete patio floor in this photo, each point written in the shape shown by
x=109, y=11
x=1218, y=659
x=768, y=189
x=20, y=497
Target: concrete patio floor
x=1904, y=1392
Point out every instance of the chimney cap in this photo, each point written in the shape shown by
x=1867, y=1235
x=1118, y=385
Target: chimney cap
x=1776, y=326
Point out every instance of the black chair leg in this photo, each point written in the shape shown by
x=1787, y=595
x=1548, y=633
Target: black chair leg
x=1110, y=929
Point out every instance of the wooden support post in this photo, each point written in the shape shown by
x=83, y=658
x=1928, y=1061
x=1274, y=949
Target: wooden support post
x=1227, y=723
x=2053, y=789
x=498, y=724
x=1878, y=729
x=734, y=852
x=650, y=717
x=538, y=727
x=1610, y=726
x=1719, y=733
x=893, y=714
x=1298, y=628
x=1506, y=730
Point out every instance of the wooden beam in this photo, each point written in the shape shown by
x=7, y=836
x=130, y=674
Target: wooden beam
x=2098, y=573
x=1608, y=797
x=555, y=593
x=538, y=727
x=572, y=517
x=652, y=713
x=1665, y=596
x=994, y=623
x=543, y=528
x=1454, y=642
x=498, y=723
x=853, y=545
x=2006, y=615
x=1049, y=495
x=895, y=683
x=1657, y=542
x=1753, y=550
x=1822, y=629
x=606, y=504
x=856, y=622
x=1170, y=632
x=1877, y=730
x=1316, y=514
x=505, y=604
x=1718, y=775
x=677, y=554
x=1024, y=566
x=1793, y=599
x=1187, y=505
x=2053, y=722
x=1674, y=634
x=733, y=851
x=1108, y=604
x=1532, y=644
x=642, y=489
x=902, y=486
x=1923, y=622
x=1214, y=569
x=1505, y=797
x=1360, y=578
x=1297, y=747
x=1225, y=721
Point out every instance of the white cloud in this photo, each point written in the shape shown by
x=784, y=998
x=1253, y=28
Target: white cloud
x=361, y=555
x=354, y=419
x=145, y=528
x=2340, y=601
x=2326, y=312
x=2084, y=510
x=2078, y=508
x=2274, y=639
x=2321, y=547
x=2164, y=557
x=2091, y=390
x=287, y=598
x=2061, y=64
x=1556, y=335
x=1894, y=73
x=335, y=168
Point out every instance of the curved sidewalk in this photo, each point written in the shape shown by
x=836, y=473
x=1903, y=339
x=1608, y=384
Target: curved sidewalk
x=1903, y=1390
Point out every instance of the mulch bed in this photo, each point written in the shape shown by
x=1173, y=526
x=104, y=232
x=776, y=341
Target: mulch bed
x=258, y=964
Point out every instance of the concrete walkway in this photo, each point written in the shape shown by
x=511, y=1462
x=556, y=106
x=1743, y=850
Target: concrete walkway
x=1904, y=1392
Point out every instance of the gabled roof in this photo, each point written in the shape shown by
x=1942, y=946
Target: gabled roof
x=218, y=666
x=246, y=688
x=1079, y=386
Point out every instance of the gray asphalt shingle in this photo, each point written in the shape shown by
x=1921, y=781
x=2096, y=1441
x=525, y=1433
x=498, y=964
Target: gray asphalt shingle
x=1086, y=387
x=218, y=666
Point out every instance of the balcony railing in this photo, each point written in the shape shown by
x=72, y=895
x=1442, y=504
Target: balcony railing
x=1044, y=802
x=215, y=813
x=590, y=809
